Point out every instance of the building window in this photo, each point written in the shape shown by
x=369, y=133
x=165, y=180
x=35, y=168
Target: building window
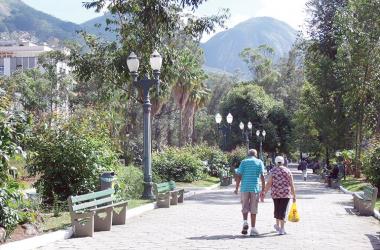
x=1, y=70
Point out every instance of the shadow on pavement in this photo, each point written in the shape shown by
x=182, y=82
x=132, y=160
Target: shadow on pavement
x=374, y=239
x=232, y=237
x=345, y=203
x=217, y=198
x=351, y=211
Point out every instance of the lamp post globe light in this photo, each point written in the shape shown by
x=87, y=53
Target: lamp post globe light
x=224, y=129
x=145, y=84
x=261, y=137
x=246, y=133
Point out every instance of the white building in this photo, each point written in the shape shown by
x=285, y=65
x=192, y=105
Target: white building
x=19, y=55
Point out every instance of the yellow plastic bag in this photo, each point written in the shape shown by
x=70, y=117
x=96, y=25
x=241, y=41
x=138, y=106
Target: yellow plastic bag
x=294, y=216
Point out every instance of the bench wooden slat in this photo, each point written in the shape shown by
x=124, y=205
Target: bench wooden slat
x=368, y=193
x=92, y=203
x=172, y=185
x=91, y=196
x=163, y=187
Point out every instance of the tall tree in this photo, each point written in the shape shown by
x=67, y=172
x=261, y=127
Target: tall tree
x=320, y=64
x=359, y=65
x=260, y=64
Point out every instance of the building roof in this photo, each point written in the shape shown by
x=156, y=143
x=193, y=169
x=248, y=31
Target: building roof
x=21, y=49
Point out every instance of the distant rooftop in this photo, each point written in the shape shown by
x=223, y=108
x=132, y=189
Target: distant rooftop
x=12, y=43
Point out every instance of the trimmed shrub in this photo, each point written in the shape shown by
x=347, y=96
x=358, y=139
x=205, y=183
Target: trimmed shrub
x=216, y=159
x=177, y=165
x=236, y=156
x=129, y=182
x=371, y=167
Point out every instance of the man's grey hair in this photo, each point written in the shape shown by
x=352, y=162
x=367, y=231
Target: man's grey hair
x=252, y=152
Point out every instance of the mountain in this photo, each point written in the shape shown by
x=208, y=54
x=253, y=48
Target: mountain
x=16, y=16
x=222, y=50
x=91, y=27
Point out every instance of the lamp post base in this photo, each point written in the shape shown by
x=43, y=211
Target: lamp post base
x=148, y=191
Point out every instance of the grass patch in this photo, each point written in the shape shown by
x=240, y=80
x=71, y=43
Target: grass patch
x=353, y=185
x=52, y=223
x=209, y=181
x=137, y=203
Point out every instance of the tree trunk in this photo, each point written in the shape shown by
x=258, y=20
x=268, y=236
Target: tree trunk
x=180, y=129
x=360, y=140
x=188, y=122
x=327, y=156
x=194, y=138
x=169, y=136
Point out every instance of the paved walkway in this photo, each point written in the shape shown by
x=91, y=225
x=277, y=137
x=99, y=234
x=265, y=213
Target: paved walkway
x=212, y=220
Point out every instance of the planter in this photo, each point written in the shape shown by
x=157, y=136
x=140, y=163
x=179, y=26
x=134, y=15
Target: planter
x=225, y=180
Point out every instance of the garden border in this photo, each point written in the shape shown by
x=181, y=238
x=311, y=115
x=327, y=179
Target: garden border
x=38, y=241
x=43, y=240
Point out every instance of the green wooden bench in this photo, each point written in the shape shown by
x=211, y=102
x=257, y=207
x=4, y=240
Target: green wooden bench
x=167, y=194
x=365, y=201
x=96, y=212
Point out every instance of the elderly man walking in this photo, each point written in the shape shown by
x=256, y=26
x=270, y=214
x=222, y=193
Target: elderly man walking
x=249, y=172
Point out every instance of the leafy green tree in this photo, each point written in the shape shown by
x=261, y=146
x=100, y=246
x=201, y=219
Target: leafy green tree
x=330, y=114
x=35, y=90
x=143, y=26
x=358, y=65
x=291, y=78
x=249, y=102
x=14, y=130
x=260, y=63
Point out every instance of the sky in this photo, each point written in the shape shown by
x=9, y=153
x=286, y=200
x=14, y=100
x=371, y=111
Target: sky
x=290, y=11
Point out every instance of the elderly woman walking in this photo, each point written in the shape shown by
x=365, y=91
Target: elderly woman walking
x=282, y=189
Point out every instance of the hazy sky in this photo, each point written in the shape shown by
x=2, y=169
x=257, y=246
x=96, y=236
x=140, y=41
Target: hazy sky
x=290, y=11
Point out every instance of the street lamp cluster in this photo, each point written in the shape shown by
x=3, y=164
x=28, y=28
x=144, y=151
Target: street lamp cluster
x=246, y=132
x=145, y=84
x=224, y=129
x=261, y=136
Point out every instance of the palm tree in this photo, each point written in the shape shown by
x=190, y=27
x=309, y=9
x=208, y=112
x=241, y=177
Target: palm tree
x=197, y=99
x=190, y=73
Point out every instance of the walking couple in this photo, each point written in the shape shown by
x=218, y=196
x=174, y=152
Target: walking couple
x=280, y=182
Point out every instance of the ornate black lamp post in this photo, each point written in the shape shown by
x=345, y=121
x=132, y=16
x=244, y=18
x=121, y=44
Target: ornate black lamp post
x=224, y=129
x=246, y=133
x=261, y=137
x=145, y=84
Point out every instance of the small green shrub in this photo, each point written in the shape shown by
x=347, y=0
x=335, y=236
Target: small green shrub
x=14, y=129
x=216, y=159
x=69, y=161
x=178, y=165
x=129, y=182
x=371, y=166
x=13, y=208
x=236, y=156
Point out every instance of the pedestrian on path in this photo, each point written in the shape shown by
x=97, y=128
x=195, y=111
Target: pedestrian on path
x=249, y=172
x=282, y=189
x=303, y=167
